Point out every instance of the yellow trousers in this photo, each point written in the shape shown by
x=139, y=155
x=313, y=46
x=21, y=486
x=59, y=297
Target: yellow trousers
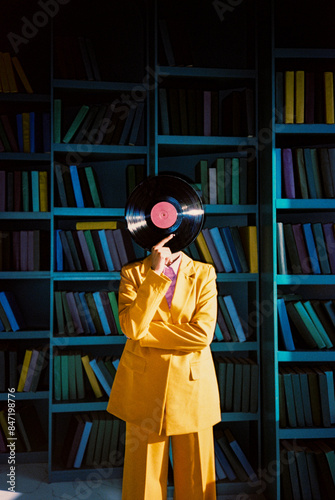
x=146, y=465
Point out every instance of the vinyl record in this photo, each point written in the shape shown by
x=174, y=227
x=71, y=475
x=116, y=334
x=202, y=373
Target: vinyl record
x=164, y=205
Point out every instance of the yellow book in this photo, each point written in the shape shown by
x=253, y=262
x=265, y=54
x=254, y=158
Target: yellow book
x=299, y=97
x=289, y=96
x=3, y=74
x=249, y=241
x=329, y=96
x=108, y=224
x=24, y=370
x=4, y=424
x=43, y=185
x=26, y=132
x=203, y=248
x=22, y=75
x=91, y=376
x=10, y=72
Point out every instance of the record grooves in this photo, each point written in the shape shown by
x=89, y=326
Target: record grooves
x=163, y=205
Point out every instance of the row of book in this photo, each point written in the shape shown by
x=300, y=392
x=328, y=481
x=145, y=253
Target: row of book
x=79, y=313
x=23, y=191
x=78, y=186
x=305, y=97
x=307, y=323
x=229, y=249
x=26, y=132
x=11, y=318
x=29, y=432
x=230, y=326
x=230, y=460
x=115, y=123
x=10, y=80
x=93, y=250
x=69, y=380
x=75, y=58
x=24, y=250
x=228, y=180
x=308, y=469
x=93, y=439
x=307, y=172
x=238, y=383
x=26, y=372
x=306, y=396
x=207, y=112
x=306, y=248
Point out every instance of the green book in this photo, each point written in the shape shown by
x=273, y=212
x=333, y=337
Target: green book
x=322, y=332
x=228, y=406
x=57, y=377
x=246, y=387
x=301, y=172
x=235, y=181
x=94, y=313
x=292, y=465
x=309, y=324
x=69, y=325
x=282, y=404
x=300, y=325
x=324, y=396
x=57, y=120
x=321, y=247
x=72, y=377
x=64, y=366
x=93, y=187
x=220, y=180
x=312, y=472
x=76, y=123
x=292, y=250
x=106, y=441
x=306, y=400
x=114, y=441
x=100, y=440
x=289, y=397
x=302, y=467
x=254, y=382
x=25, y=191
x=237, y=391
x=79, y=376
x=227, y=319
x=299, y=411
x=316, y=172
x=314, y=392
x=89, y=455
x=73, y=250
x=115, y=309
x=59, y=313
x=91, y=249
x=221, y=368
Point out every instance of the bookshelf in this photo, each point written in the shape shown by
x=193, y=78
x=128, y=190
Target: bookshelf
x=137, y=75
x=292, y=48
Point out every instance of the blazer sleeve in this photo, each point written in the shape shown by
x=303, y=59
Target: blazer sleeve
x=138, y=304
x=193, y=335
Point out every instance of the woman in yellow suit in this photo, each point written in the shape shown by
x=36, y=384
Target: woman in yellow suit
x=165, y=385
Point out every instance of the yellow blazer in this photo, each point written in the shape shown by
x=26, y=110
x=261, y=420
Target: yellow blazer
x=165, y=381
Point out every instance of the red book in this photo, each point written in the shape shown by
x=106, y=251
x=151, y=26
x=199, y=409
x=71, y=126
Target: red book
x=288, y=173
x=207, y=113
x=302, y=249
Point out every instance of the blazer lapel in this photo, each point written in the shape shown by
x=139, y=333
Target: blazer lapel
x=184, y=286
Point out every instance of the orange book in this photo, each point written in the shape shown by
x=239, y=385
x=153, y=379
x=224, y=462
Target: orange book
x=329, y=96
x=43, y=189
x=22, y=75
x=299, y=97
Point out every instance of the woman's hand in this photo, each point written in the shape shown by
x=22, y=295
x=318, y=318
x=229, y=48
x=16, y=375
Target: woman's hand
x=161, y=255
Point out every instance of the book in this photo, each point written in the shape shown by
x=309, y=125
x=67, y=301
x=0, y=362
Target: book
x=329, y=96
x=77, y=121
x=91, y=376
x=288, y=173
x=299, y=96
x=289, y=96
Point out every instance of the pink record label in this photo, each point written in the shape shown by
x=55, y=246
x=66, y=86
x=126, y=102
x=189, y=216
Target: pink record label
x=163, y=214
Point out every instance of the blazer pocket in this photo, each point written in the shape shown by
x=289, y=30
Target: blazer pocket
x=134, y=362
x=195, y=370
